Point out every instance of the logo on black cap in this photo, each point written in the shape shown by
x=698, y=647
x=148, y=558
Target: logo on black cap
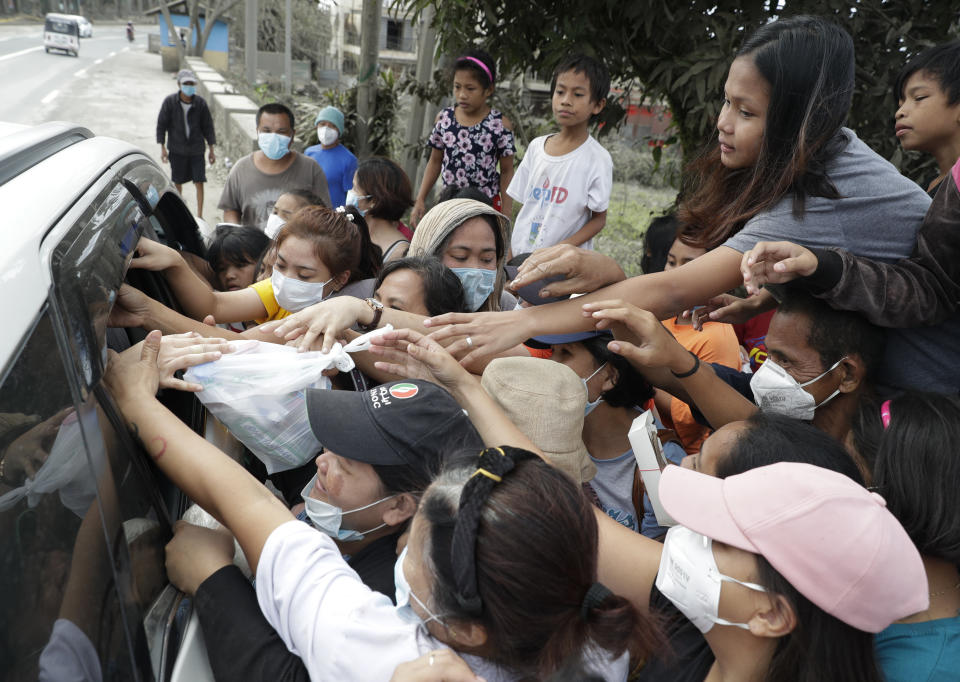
x=403, y=391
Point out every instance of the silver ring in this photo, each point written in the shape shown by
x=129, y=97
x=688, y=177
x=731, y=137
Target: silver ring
x=469, y=342
x=430, y=660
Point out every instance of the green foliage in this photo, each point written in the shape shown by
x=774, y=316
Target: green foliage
x=632, y=206
x=679, y=50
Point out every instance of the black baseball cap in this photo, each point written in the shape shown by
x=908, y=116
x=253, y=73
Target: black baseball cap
x=403, y=423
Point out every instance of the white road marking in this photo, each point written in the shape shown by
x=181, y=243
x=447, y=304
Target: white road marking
x=81, y=72
x=98, y=61
x=126, y=49
x=25, y=35
x=50, y=97
x=21, y=52
x=112, y=54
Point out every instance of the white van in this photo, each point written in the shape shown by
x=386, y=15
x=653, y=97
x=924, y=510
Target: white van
x=61, y=32
x=81, y=539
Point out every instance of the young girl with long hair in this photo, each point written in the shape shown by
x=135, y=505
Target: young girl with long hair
x=783, y=167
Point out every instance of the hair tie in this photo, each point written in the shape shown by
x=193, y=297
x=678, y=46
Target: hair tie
x=486, y=69
x=596, y=594
x=885, y=413
x=493, y=465
x=343, y=211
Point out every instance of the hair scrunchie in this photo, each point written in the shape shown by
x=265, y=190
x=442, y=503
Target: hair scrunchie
x=596, y=594
x=493, y=464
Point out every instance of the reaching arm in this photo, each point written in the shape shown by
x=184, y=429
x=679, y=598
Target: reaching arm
x=410, y=354
x=318, y=327
x=204, y=473
x=583, y=271
x=921, y=290
x=662, y=293
x=133, y=308
x=646, y=343
x=195, y=294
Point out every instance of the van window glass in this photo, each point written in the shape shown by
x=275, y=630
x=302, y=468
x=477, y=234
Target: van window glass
x=59, y=609
x=61, y=26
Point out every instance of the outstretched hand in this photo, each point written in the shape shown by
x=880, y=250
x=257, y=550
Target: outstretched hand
x=582, y=271
x=639, y=336
x=407, y=353
x=130, y=308
x=776, y=263
x=153, y=255
x=725, y=308
x=180, y=351
x=130, y=379
x=318, y=327
x=441, y=665
x=195, y=553
x=479, y=337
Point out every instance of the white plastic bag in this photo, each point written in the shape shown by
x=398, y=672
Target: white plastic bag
x=258, y=392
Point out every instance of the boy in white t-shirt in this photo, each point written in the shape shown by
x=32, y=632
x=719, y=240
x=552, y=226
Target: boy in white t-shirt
x=564, y=179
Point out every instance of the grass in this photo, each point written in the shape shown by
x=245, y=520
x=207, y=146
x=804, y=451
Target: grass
x=631, y=208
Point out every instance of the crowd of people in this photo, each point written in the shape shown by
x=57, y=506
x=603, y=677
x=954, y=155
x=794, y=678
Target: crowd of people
x=477, y=509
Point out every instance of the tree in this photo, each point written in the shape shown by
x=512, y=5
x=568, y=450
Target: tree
x=212, y=12
x=199, y=37
x=678, y=51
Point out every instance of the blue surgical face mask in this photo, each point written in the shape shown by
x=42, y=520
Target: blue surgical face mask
x=353, y=199
x=327, y=518
x=274, y=145
x=188, y=90
x=591, y=406
x=403, y=595
x=477, y=285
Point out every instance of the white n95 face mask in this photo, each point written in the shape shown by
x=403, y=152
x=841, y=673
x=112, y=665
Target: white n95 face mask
x=777, y=392
x=326, y=135
x=327, y=518
x=688, y=576
x=295, y=294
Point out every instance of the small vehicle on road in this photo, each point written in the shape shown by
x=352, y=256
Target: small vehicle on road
x=86, y=26
x=61, y=32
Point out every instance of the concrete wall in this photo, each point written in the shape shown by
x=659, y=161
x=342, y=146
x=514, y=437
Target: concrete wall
x=234, y=116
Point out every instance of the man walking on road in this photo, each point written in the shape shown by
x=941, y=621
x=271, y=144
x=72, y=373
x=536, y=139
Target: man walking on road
x=184, y=124
x=258, y=179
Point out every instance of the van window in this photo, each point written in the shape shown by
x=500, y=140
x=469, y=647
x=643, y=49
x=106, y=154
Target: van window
x=64, y=26
x=58, y=598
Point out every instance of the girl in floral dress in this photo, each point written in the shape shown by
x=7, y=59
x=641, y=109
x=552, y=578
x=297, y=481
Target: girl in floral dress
x=470, y=138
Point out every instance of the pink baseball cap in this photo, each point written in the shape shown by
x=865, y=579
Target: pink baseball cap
x=829, y=537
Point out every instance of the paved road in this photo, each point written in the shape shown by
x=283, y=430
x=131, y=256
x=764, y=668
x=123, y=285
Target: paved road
x=113, y=87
